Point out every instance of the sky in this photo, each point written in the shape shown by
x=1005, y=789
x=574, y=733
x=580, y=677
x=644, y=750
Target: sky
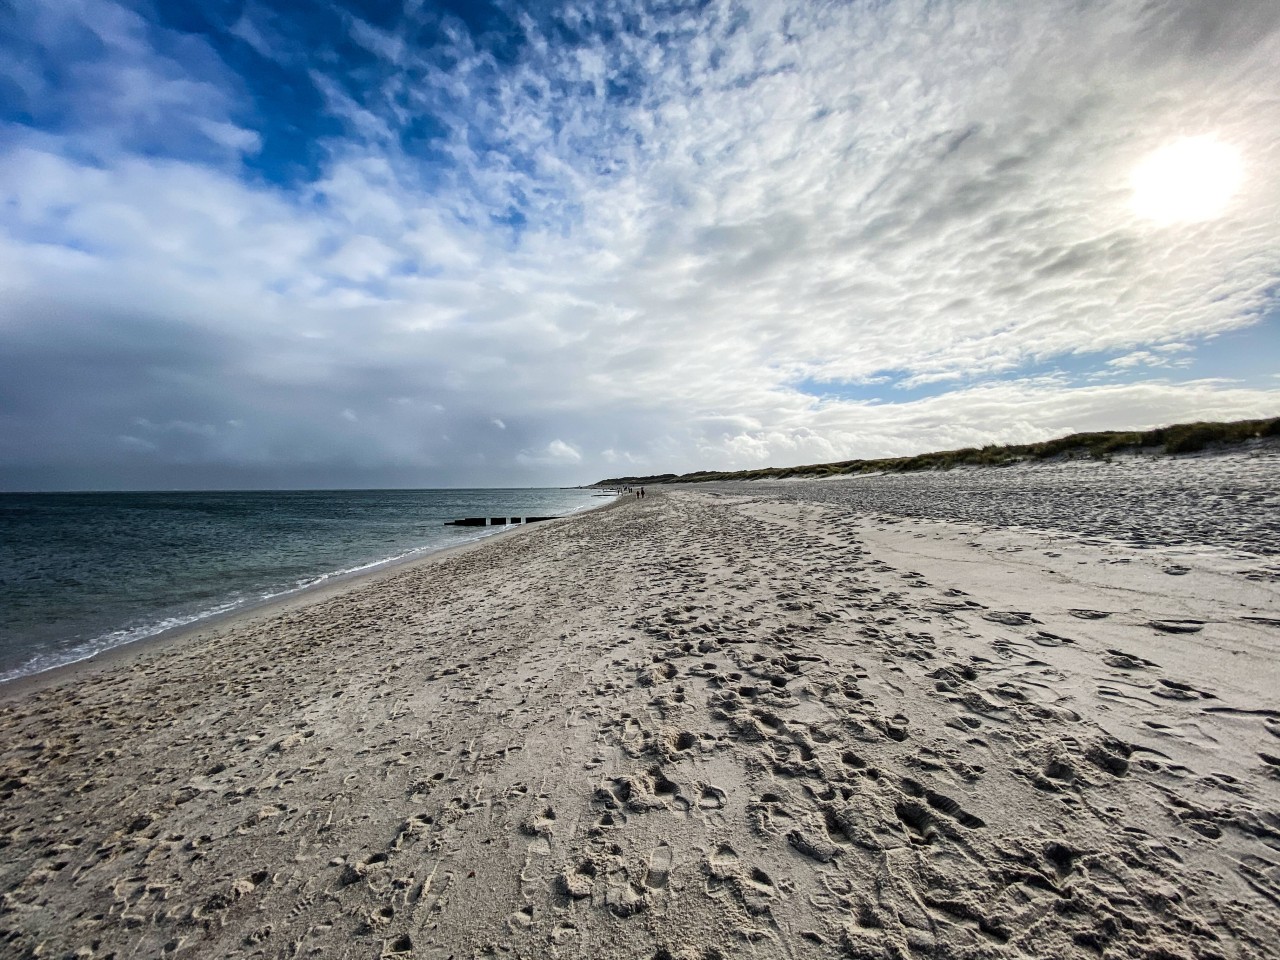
x=278, y=244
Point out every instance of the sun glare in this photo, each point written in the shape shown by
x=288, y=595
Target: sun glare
x=1187, y=181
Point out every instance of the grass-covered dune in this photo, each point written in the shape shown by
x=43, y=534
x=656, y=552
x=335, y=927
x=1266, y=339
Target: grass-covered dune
x=1179, y=438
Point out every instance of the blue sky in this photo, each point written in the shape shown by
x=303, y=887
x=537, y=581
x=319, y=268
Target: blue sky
x=413, y=243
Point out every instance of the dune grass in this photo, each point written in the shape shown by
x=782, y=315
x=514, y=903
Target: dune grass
x=1179, y=438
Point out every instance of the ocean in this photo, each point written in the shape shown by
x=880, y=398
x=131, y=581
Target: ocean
x=84, y=572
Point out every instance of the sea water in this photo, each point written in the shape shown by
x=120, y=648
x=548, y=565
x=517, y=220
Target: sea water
x=83, y=572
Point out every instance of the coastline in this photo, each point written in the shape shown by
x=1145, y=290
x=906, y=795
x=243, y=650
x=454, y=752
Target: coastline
x=330, y=585
x=705, y=724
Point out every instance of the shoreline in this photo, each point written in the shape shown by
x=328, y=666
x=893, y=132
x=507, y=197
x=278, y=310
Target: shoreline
x=700, y=725
x=330, y=585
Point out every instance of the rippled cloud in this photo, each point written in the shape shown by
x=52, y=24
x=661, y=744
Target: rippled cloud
x=542, y=244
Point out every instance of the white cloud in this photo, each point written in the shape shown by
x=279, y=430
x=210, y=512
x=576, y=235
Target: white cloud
x=612, y=457
x=563, y=452
x=231, y=136
x=922, y=194
x=1157, y=357
x=362, y=259
x=557, y=452
x=136, y=444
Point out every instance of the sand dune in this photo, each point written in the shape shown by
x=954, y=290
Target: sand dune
x=1003, y=714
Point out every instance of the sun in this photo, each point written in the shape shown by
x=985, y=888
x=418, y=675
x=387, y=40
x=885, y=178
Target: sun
x=1187, y=181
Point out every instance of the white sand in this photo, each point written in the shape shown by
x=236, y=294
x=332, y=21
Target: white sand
x=743, y=724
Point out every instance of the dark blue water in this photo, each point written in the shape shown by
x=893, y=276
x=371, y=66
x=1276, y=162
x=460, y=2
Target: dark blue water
x=83, y=572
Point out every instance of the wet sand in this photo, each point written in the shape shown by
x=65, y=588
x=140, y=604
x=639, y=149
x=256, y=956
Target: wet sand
x=942, y=716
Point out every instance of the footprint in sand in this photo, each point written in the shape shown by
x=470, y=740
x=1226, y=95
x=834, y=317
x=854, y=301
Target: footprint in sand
x=1127, y=661
x=623, y=897
x=722, y=863
x=659, y=867
x=1176, y=626
x=813, y=845
x=1176, y=690
x=917, y=821
x=711, y=797
x=579, y=880
x=1046, y=639
x=533, y=877
x=400, y=946
x=1010, y=618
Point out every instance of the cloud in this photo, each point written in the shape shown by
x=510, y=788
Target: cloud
x=563, y=452
x=555, y=452
x=662, y=240
x=1147, y=358
x=136, y=443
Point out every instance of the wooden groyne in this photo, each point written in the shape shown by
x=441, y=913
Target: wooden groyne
x=494, y=521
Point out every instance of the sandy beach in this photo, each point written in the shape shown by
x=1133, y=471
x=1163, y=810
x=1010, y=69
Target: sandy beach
x=1009, y=713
